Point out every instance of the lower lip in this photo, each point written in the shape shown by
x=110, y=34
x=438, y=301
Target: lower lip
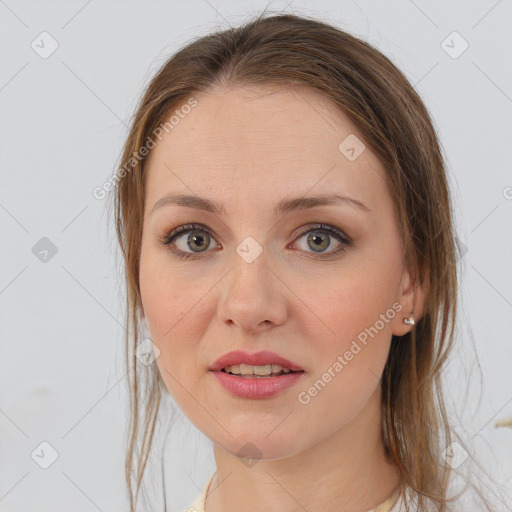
x=257, y=387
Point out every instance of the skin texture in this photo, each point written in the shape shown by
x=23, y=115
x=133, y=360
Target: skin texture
x=248, y=148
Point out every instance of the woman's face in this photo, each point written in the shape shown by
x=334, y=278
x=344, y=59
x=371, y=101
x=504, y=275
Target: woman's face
x=260, y=278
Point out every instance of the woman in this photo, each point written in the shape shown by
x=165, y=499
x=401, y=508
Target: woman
x=285, y=219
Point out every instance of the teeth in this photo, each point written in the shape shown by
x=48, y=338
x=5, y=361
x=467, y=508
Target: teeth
x=247, y=369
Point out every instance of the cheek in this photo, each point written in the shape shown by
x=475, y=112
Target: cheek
x=351, y=331
x=176, y=310
x=348, y=362
x=349, y=302
x=163, y=304
x=163, y=292
x=169, y=325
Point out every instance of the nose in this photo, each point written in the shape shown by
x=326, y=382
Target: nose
x=253, y=297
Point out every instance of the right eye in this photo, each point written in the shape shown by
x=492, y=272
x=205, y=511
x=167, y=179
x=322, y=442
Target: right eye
x=198, y=237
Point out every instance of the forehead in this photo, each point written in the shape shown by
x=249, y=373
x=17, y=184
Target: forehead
x=264, y=141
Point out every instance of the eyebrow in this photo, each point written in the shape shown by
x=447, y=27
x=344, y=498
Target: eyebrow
x=283, y=207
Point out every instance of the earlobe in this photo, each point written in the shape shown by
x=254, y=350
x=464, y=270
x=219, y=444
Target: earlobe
x=410, y=320
x=403, y=323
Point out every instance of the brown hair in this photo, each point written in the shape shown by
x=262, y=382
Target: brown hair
x=395, y=124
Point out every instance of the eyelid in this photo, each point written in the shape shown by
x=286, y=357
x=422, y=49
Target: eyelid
x=183, y=229
x=332, y=230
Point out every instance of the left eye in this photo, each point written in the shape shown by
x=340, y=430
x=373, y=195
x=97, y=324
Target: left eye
x=320, y=238
x=201, y=237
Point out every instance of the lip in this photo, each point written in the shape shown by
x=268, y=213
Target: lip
x=256, y=388
x=261, y=358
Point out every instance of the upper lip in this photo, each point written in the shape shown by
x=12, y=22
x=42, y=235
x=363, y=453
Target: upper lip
x=261, y=358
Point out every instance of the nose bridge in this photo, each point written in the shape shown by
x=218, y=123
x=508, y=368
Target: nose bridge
x=250, y=271
x=249, y=296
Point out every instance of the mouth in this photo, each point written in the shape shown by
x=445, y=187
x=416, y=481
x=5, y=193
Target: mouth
x=257, y=382
x=247, y=371
x=264, y=363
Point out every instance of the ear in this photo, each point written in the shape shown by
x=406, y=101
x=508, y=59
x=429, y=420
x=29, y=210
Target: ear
x=412, y=297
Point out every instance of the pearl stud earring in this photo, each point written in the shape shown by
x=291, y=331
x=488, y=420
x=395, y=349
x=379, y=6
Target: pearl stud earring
x=410, y=320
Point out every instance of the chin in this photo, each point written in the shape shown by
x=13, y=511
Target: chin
x=257, y=445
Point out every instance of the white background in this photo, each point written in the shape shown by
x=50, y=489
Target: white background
x=63, y=121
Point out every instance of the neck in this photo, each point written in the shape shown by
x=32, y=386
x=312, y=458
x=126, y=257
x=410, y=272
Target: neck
x=344, y=472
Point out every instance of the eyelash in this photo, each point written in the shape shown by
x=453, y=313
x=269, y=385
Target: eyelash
x=180, y=230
